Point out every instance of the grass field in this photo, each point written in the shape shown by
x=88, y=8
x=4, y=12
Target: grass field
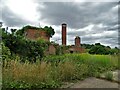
x=0, y=75
x=53, y=70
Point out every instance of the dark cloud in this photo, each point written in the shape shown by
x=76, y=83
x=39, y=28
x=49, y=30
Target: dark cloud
x=76, y=33
x=11, y=19
x=76, y=15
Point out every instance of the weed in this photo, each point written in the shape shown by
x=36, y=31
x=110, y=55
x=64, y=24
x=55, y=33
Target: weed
x=109, y=76
x=53, y=70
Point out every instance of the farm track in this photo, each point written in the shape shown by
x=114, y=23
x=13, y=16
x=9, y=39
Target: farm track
x=93, y=82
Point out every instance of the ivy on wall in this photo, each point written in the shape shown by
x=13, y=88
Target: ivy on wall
x=49, y=30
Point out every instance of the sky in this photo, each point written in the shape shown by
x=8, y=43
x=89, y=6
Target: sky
x=93, y=21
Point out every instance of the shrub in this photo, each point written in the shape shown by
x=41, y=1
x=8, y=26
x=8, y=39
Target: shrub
x=54, y=70
x=109, y=76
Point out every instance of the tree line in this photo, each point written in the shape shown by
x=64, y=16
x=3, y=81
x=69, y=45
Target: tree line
x=98, y=48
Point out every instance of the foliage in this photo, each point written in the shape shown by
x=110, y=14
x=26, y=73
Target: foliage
x=13, y=30
x=53, y=70
x=101, y=49
x=26, y=49
x=5, y=52
x=50, y=31
x=87, y=46
x=21, y=32
x=109, y=75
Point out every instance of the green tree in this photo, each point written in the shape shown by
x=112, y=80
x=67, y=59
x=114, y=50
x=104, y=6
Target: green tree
x=13, y=30
x=50, y=31
x=5, y=52
x=99, y=49
x=27, y=49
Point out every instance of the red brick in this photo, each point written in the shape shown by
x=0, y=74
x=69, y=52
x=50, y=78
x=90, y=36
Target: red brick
x=64, y=34
x=36, y=34
x=77, y=41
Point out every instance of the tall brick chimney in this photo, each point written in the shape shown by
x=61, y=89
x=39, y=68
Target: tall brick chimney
x=64, y=34
x=77, y=41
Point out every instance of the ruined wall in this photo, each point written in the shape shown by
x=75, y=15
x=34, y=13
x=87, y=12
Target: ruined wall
x=52, y=49
x=36, y=34
x=75, y=49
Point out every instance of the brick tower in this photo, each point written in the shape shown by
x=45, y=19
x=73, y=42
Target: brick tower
x=64, y=34
x=77, y=41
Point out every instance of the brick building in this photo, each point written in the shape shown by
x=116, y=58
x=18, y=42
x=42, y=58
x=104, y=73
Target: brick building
x=77, y=47
x=40, y=33
x=74, y=48
x=52, y=49
x=35, y=34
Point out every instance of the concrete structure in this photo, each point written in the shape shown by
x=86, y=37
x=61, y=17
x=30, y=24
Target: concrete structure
x=36, y=34
x=64, y=34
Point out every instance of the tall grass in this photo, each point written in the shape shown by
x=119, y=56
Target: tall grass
x=53, y=70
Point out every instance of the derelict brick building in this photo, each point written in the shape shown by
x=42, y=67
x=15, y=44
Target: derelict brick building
x=35, y=34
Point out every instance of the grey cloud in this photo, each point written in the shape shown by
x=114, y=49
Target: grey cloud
x=75, y=15
x=11, y=19
x=76, y=33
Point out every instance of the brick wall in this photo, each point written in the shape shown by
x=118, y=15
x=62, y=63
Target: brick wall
x=36, y=34
x=77, y=41
x=52, y=49
x=64, y=34
x=77, y=49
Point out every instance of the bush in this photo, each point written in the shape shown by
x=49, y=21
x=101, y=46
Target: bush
x=109, y=76
x=5, y=52
x=53, y=70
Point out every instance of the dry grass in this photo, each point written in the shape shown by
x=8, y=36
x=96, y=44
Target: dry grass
x=66, y=70
x=50, y=74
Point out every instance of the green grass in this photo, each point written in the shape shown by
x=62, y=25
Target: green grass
x=0, y=74
x=109, y=76
x=53, y=70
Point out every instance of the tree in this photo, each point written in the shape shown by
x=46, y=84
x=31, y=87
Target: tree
x=26, y=49
x=5, y=52
x=13, y=30
x=50, y=31
x=99, y=49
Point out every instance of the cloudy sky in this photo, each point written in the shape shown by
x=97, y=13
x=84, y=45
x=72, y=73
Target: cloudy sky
x=94, y=22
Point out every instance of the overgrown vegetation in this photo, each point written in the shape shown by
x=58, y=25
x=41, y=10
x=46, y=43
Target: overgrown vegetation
x=53, y=70
x=49, y=71
x=26, y=49
x=109, y=76
x=100, y=49
x=49, y=30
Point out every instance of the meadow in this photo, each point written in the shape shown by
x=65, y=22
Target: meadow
x=52, y=71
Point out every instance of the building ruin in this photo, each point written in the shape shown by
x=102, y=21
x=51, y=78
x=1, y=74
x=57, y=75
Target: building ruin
x=35, y=34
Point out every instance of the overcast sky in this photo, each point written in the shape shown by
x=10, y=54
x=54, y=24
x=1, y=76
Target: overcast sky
x=94, y=22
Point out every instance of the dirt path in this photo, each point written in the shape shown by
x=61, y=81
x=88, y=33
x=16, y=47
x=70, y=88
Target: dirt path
x=94, y=83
